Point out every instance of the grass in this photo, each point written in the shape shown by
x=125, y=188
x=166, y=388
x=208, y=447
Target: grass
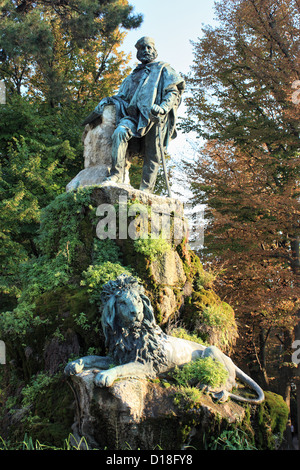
x=70, y=443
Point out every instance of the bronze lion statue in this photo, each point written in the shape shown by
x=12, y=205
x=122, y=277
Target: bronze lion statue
x=140, y=347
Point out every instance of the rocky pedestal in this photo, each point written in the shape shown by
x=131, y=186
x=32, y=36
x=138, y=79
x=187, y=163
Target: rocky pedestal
x=140, y=414
x=97, y=143
x=129, y=211
x=65, y=322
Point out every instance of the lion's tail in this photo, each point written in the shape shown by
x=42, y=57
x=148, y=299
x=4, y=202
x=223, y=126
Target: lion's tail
x=246, y=379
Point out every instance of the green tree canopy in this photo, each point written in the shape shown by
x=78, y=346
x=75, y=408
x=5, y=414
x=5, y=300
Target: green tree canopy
x=65, y=51
x=58, y=59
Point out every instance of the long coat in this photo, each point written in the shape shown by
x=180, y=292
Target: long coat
x=159, y=84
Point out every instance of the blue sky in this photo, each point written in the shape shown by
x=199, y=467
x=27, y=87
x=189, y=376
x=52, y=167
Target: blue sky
x=173, y=24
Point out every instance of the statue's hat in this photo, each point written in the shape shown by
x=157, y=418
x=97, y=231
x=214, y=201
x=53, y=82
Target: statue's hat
x=145, y=39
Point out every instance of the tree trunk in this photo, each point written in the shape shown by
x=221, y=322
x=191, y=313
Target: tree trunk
x=286, y=373
x=263, y=336
x=295, y=265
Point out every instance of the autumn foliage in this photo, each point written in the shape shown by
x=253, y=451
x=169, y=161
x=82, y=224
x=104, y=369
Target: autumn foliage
x=244, y=101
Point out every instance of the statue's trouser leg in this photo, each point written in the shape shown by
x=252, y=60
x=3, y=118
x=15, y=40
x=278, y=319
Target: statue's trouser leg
x=120, y=139
x=152, y=158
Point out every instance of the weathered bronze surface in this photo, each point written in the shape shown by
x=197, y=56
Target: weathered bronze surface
x=152, y=90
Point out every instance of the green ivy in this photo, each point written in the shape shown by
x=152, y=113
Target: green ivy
x=106, y=250
x=60, y=223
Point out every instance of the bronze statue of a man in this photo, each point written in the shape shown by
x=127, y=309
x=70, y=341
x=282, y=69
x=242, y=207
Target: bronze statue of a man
x=152, y=89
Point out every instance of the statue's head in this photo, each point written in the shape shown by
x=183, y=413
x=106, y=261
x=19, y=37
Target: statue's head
x=128, y=321
x=125, y=304
x=146, y=51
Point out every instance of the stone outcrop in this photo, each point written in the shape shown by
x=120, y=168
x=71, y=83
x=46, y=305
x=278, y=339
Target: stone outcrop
x=159, y=214
x=164, y=215
x=140, y=414
x=168, y=271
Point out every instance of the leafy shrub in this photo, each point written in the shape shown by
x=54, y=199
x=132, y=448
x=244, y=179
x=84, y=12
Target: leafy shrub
x=60, y=243
x=107, y=266
x=206, y=371
x=97, y=275
x=184, y=334
x=37, y=386
x=16, y=323
x=106, y=250
x=187, y=398
x=60, y=223
x=152, y=247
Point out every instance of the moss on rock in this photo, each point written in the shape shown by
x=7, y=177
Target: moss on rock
x=203, y=312
x=272, y=417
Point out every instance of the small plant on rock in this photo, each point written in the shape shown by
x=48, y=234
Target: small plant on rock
x=206, y=371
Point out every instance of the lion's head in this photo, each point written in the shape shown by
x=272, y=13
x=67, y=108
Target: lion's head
x=128, y=322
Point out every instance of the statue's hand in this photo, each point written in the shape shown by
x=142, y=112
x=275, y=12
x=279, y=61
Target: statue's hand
x=74, y=367
x=156, y=110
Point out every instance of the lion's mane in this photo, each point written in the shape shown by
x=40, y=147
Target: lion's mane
x=143, y=341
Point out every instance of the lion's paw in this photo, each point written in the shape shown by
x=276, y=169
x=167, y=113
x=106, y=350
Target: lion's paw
x=105, y=378
x=74, y=367
x=221, y=396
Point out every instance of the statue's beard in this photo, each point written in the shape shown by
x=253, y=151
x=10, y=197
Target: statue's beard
x=146, y=57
